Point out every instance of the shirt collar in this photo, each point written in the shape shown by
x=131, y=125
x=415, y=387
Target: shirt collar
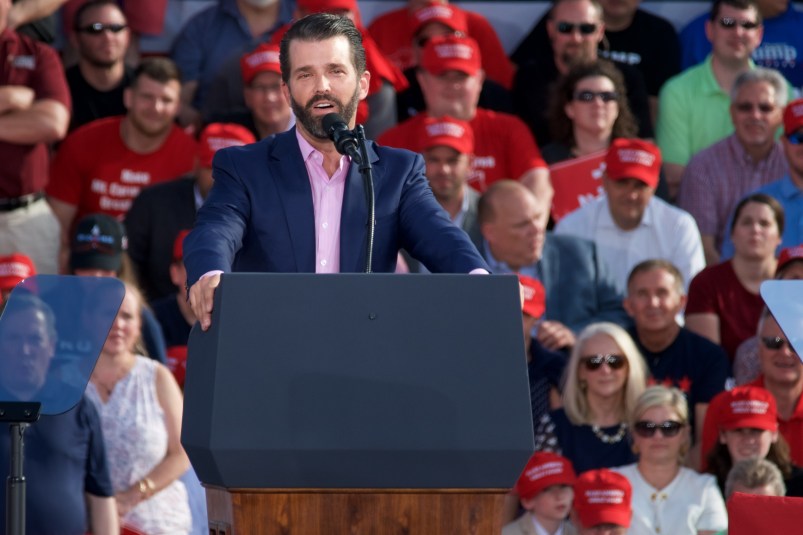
x=710, y=84
x=788, y=188
x=309, y=152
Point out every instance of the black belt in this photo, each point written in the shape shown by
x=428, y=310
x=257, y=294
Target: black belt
x=7, y=205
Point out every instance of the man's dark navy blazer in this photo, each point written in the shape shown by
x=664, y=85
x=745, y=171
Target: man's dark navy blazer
x=259, y=215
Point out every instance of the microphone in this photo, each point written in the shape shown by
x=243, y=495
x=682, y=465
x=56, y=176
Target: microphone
x=345, y=140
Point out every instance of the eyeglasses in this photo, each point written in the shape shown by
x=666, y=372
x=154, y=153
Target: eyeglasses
x=594, y=362
x=749, y=107
x=586, y=28
x=97, y=28
x=589, y=96
x=422, y=41
x=775, y=342
x=730, y=22
x=647, y=429
x=795, y=138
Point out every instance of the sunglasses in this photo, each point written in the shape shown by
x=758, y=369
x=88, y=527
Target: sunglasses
x=646, y=429
x=775, y=342
x=421, y=42
x=589, y=96
x=748, y=107
x=730, y=22
x=586, y=28
x=594, y=362
x=97, y=28
x=795, y=138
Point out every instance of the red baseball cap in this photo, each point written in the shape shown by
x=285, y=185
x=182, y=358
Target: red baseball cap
x=747, y=406
x=534, y=296
x=14, y=268
x=790, y=254
x=264, y=58
x=178, y=245
x=543, y=470
x=450, y=16
x=603, y=497
x=451, y=53
x=633, y=158
x=793, y=116
x=323, y=6
x=448, y=132
x=218, y=136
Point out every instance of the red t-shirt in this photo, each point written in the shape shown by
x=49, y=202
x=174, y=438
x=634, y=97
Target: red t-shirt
x=393, y=33
x=792, y=429
x=29, y=63
x=95, y=171
x=503, y=146
x=717, y=290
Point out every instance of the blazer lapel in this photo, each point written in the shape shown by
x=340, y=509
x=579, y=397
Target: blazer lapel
x=550, y=274
x=354, y=216
x=292, y=184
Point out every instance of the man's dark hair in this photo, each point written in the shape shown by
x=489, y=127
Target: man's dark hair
x=761, y=198
x=24, y=301
x=161, y=69
x=742, y=5
x=658, y=263
x=90, y=5
x=319, y=27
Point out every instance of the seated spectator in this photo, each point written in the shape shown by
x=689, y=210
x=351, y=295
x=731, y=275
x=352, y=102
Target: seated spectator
x=102, y=167
x=781, y=45
x=161, y=211
x=544, y=367
x=629, y=224
x=140, y=405
x=633, y=36
x=447, y=146
x=676, y=356
x=67, y=486
x=35, y=19
x=693, y=106
x=34, y=112
x=744, y=424
x=451, y=77
x=788, y=190
x=604, y=377
x=782, y=375
x=174, y=314
x=755, y=476
x=746, y=366
x=434, y=20
x=14, y=268
x=575, y=29
x=216, y=36
x=98, y=249
x=267, y=110
x=394, y=29
x=717, y=177
x=668, y=497
x=579, y=288
x=587, y=110
x=100, y=37
x=602, y=503
x=724, y=302
x=545, y=491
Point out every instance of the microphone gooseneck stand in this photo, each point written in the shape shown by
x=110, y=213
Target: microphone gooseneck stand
x=366, y=170
x=19, y=415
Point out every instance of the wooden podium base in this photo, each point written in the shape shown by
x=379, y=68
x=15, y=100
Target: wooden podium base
x=354, y=511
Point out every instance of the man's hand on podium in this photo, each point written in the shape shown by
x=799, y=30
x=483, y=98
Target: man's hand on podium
x=202, y=295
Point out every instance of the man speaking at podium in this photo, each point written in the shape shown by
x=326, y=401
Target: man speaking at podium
x=292, y=203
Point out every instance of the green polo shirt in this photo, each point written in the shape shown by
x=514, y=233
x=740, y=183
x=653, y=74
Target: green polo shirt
x=694, y=113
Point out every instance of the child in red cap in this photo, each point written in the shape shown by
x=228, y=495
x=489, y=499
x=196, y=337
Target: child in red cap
x=545, y=492
x=602, y=503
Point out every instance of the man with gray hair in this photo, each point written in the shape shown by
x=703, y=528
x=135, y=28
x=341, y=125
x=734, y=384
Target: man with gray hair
x=719, y=176
x=755, y=476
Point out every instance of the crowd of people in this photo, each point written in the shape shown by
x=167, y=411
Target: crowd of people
x=641, y=181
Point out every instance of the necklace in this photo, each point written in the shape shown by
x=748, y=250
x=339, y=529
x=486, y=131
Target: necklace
x=610, y=439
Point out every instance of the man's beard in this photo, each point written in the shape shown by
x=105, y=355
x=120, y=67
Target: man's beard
x=314, y=125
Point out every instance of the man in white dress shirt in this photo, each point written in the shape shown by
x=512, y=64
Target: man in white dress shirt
x=629, y=224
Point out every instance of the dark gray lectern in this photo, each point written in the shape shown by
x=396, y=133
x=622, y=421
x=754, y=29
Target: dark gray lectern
x=358, y=403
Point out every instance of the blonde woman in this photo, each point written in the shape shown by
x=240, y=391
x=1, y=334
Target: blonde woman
x=603, y=378
x=668, y=497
